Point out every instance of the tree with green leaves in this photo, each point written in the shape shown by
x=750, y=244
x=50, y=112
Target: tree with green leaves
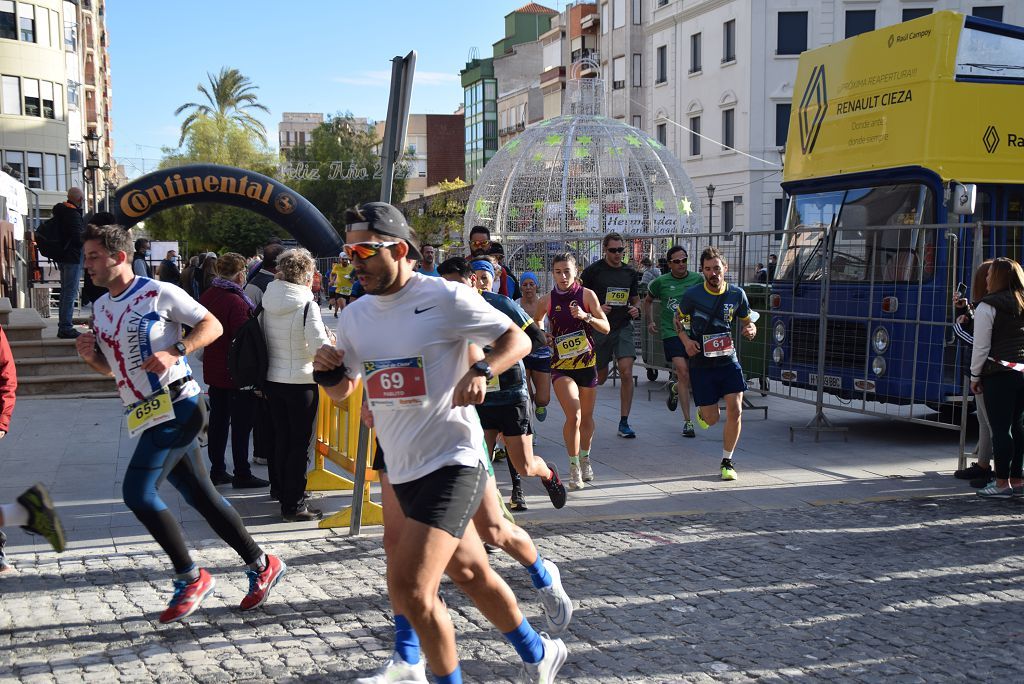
x=230, y=98
x=339, y=168
x=443, y=218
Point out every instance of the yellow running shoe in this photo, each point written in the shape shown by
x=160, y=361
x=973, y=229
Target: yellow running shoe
x=728, y=471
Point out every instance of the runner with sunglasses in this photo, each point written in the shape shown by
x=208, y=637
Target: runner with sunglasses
x=669, y=288
x=616, y=285
x=408, y=341
x=575, y=314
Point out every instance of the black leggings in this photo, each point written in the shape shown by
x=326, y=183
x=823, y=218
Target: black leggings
x=293, y=409
x=170, y=451
x=230, y=408
x=1004, y=402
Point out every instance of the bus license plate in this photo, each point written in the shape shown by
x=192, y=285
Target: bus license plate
x=831, y=381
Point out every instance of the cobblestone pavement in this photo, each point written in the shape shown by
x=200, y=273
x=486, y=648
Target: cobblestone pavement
x=905, y=591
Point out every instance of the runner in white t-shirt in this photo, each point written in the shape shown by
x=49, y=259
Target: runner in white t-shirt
x=136, y=338
x=408, y=343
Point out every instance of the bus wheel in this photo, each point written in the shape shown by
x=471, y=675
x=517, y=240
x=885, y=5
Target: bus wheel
x=652, y=374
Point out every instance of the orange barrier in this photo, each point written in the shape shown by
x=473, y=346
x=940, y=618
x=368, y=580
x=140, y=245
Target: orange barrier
x=337, y=440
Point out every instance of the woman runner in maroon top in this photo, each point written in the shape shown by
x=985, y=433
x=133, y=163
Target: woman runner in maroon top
x=573, y=311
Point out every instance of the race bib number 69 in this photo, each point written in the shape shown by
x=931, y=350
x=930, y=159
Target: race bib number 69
x=396, y=384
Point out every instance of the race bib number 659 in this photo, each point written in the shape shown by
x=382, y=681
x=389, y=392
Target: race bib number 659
x=396, y=384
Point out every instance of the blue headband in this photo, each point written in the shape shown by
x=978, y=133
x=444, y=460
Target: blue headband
x=529, y=276
x=482, y=265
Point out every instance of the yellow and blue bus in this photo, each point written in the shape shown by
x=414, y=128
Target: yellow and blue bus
x=904, y=169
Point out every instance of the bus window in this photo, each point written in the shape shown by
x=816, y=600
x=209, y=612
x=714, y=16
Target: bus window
x=864, y=248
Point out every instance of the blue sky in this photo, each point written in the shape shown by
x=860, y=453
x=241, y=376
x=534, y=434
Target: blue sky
x=306, y=56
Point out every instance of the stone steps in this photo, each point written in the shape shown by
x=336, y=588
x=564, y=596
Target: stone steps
x=73, y=384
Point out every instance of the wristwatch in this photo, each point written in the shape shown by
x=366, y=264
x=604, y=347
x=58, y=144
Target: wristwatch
x=180, y=348
x=483, y=368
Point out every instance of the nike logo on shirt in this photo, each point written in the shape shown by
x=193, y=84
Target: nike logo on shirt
x=419, y=311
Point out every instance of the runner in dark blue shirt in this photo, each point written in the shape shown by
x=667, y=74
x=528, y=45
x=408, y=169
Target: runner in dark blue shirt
x=707, y=313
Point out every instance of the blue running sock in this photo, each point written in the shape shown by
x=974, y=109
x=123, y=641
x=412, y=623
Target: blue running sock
x=453, y=678
x=539, y=574
x=407, y=642
x=527, y=643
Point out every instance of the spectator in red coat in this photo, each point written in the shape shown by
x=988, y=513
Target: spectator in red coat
x=230, y=406
x=8, y=384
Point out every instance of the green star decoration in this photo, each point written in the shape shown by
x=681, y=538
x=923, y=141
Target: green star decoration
x=481, y=207
x=513, y=212
x=654, y=143
x=659, y=204
x=622, y=208
x=582, y=208
x=538, y=206
x=614, y=151
x=513, y=144
x=581, y=152
x=553, y=140
x=534, y=263
x=584, y=139
x=634, y=140
x=685, y=206
x=538, y=157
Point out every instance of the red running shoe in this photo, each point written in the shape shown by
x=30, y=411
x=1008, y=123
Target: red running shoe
x=260, y=583
x=187, y=597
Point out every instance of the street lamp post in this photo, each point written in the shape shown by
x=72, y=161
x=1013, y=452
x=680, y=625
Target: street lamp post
x=711, y=195
x=106, y=188
x=92, y=166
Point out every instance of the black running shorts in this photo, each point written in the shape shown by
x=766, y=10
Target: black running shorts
x=511, y=420
x=378, y=460
x=445, y=499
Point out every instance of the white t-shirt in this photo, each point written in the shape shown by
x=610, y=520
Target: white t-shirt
x=411, y=348
x=144, y=319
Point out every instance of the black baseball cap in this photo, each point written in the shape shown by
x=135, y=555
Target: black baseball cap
x=383, y=219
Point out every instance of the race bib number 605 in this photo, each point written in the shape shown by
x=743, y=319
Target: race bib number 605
x=396, y=384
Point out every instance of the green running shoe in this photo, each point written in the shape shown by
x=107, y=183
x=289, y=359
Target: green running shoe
x=700, y=420
x=728, y=471
x=42, y=516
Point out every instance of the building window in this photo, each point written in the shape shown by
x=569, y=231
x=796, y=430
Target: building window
x=662, y=69
x=728, y=128
x=73, y=93
x=782, y=112
x=618, y=14
x=661, y=133
x=792, y=33
x=8, y=22
x=35, y=169
x=11, y=95
x=729, y=41
x=27, y=22
x=695, y=53
x=694, y=136
x=859, y=21
x=662, y=3
x=46, y=94
x=637, y=122
x=728, y=216
x=638, y=70
x=58, y=101
x=637, y=12
x=50, y=172
x=781, y=204
x=619, y=73
x=15, y=160
x=916, y=13
x=994, y=12
x=31, y=87
x=62, y=173
x=43, y=27
x=604, y=18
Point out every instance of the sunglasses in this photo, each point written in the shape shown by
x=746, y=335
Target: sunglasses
x=616, y=250
x=366, y=250
x=677, y=261
x=480, y=243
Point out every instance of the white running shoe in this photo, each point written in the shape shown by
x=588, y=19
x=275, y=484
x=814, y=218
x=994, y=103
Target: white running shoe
x=575, y=479
x=397, y=671
x=557, y=604
x=588, y=471
x=544, y=672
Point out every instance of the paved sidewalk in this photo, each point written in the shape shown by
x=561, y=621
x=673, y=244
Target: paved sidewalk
x=825, y=560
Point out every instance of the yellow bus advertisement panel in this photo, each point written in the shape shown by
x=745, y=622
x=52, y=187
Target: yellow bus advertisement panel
x=930, y=92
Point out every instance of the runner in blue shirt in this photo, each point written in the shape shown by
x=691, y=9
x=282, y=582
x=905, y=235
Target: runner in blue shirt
x=707, y=312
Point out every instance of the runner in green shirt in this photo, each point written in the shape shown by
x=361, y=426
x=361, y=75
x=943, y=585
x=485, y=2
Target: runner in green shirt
x=669, y=288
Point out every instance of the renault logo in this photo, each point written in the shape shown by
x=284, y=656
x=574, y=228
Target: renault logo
x=991, y=139
x=813, y=107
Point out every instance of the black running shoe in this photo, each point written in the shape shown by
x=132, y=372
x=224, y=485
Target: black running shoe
x=980, y=482
x=42, y=516
x=556, y=490
x=517, y=502
x=673, y=397
x=972, y=472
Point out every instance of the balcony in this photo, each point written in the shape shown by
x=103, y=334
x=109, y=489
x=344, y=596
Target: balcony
x=590, y=21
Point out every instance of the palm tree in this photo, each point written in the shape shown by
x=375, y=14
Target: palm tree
x=229, y=97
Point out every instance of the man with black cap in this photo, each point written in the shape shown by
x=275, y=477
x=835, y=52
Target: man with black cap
x=408, y=341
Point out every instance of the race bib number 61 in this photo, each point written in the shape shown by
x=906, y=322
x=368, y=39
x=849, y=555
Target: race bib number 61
x=396, y=384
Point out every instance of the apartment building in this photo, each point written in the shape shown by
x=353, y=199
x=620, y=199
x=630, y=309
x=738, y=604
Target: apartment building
x=296, y=129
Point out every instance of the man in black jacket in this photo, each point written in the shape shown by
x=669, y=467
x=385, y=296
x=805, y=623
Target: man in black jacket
x=72, y=226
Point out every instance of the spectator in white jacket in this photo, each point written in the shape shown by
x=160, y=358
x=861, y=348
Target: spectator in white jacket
x=294, y=331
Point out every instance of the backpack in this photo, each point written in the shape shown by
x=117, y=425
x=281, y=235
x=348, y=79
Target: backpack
x=49, y=242
x=248, y=358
